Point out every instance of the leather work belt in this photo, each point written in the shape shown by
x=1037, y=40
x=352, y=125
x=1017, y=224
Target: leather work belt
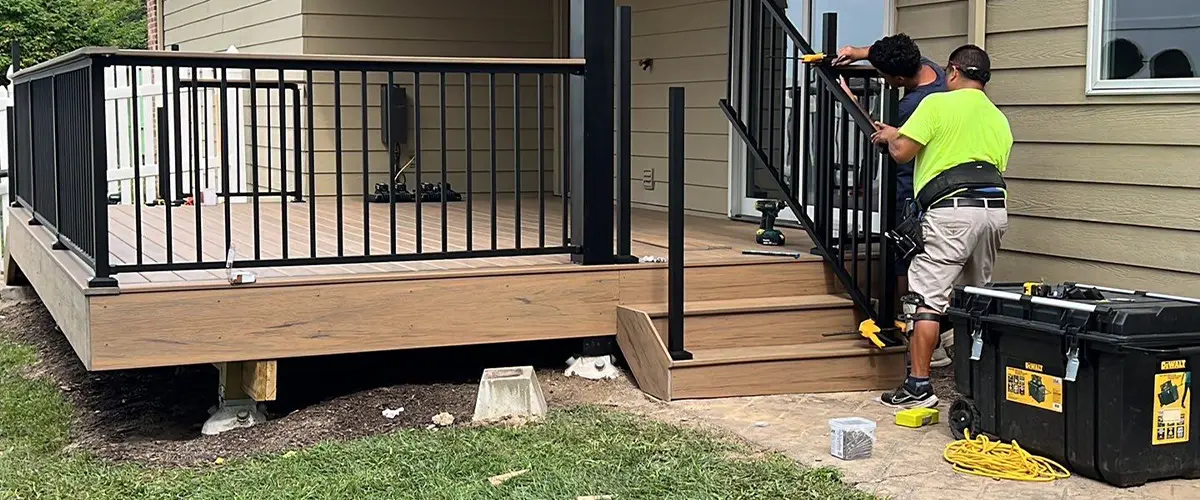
x=970, y=203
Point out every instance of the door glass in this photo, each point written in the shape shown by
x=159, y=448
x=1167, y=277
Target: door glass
x=774, y=84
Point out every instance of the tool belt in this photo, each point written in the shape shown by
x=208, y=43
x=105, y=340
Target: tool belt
x=970, y=175
x=908, y=237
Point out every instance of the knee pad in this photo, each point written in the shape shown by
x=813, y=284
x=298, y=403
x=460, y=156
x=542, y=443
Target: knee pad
x=913, y=303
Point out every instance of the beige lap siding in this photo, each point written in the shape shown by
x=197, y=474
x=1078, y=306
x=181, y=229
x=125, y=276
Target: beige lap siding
x=1104, y=188
x=462, y=28
x=688, y=42
x=251, y=25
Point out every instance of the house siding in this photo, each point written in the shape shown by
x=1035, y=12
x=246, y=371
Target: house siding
x=461, y=28
x=688, y=43
x=938, y=26
x=251, y=26
x=1104, y=188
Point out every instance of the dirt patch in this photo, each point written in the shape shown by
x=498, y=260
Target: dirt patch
x=154, y=416
x=943, y=384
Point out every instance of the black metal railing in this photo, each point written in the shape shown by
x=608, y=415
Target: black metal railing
x=815, y=152
x=284, y=160
x=675, y=207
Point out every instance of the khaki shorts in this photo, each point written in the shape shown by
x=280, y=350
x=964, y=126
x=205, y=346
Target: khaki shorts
x=960, y=249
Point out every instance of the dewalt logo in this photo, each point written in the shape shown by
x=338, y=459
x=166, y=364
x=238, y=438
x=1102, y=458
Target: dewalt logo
x=1176, y=364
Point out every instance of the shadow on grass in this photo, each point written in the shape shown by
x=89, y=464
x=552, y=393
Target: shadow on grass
x=582, y=451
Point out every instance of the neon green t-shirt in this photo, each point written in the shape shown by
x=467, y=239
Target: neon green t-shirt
x=955, y=128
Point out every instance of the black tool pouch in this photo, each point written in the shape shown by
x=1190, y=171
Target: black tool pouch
x=908, y=237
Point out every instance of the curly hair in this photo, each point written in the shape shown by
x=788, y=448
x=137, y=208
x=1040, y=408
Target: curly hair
x=895, y=55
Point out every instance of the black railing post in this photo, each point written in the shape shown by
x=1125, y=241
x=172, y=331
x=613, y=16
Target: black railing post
x=829, y=45
x=56, y=166
x=99, y=164
x=592, y=180
x=888, y=215
x=675, y=290
x=624, y=131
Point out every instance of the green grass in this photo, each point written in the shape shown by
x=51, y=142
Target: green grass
x=585, y=451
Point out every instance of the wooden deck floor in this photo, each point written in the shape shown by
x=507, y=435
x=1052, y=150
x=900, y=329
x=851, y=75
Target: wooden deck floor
x=707, y=238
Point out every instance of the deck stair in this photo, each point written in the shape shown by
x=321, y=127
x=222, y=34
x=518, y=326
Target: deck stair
x=755, y=346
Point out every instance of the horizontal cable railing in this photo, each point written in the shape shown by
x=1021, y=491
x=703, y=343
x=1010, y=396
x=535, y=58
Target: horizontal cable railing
x=807, y=129
x=149, y=161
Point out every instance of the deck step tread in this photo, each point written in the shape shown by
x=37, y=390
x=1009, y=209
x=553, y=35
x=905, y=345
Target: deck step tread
x=834, y=347
x=751, y=305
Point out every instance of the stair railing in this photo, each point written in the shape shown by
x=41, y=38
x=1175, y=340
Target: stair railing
x=816, y=154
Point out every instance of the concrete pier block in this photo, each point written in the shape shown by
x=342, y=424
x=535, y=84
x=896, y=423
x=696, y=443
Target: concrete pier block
x=509, y=392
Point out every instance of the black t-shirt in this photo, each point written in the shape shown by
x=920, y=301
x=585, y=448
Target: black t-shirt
x=908, y=104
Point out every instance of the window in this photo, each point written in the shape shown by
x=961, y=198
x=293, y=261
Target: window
x=1143, y=47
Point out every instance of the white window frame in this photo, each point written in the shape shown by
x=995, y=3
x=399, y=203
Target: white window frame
x=1140, y=86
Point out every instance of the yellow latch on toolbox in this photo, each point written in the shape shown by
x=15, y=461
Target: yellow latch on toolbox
x=871, y=331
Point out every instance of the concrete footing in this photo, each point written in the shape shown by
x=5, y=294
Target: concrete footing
x=509, y=392
x=592, y=367
x=17, y=293
x=233, y=415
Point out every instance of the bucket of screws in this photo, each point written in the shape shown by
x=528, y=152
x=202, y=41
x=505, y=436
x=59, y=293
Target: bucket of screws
x=851, y=438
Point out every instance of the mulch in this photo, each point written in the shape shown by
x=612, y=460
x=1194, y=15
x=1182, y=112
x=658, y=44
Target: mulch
x=154, y=416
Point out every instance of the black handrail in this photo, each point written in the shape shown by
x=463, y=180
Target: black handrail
x=60, y=166
x=842, y=163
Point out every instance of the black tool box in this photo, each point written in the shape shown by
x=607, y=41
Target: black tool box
x=1097, y=379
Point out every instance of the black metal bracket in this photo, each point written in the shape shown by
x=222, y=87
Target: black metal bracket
x=681, y=355
x=103, y=282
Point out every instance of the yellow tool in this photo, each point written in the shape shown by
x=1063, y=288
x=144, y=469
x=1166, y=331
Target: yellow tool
x=817, y=58
x=871, y=331
x=1037, y=289
x=983, y=457
x=917, y=417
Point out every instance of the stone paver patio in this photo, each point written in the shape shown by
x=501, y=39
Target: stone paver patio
x=906, y=463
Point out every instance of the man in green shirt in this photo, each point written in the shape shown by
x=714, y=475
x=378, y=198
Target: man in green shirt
x=961, y=143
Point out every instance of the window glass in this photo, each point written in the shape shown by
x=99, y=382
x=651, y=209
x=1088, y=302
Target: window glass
x=1143, y=39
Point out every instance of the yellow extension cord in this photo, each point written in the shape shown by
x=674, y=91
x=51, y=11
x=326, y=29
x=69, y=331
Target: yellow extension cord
x=996, y=460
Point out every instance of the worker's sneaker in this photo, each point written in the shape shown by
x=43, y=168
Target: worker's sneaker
x=909, y=395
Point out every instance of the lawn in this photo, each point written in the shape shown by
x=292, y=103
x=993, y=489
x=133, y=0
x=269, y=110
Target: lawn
x=583, y=451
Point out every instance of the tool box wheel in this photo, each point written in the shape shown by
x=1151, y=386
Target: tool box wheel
x=964, y=416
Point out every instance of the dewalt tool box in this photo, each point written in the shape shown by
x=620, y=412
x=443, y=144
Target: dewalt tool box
x=1097, y=379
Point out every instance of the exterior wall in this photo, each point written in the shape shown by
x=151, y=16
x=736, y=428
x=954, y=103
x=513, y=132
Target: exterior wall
x=688, y=42
x=153, y=31
x=480, y=28
x=251, y=25
x=686, y=39
x=1104, y=188
x=938, y=26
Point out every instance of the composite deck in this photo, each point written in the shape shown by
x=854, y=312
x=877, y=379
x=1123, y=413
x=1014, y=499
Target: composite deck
x=708, y=239
x=171, y=318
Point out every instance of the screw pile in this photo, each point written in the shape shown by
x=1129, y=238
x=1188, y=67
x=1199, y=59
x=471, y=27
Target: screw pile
x=852, y=444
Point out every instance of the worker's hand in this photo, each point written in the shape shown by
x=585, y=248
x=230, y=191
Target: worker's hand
x=849, y=55
x=884, y=133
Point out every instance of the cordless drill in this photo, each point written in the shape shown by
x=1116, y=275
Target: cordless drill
x=767, y=234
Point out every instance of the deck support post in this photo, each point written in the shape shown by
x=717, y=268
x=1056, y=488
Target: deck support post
x=593, y=37
x=242, y=385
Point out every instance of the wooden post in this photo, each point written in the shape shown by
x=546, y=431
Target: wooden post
x=254, y=380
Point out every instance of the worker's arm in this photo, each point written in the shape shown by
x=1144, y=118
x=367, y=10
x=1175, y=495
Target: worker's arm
x=906, y=142
x=900, y=147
